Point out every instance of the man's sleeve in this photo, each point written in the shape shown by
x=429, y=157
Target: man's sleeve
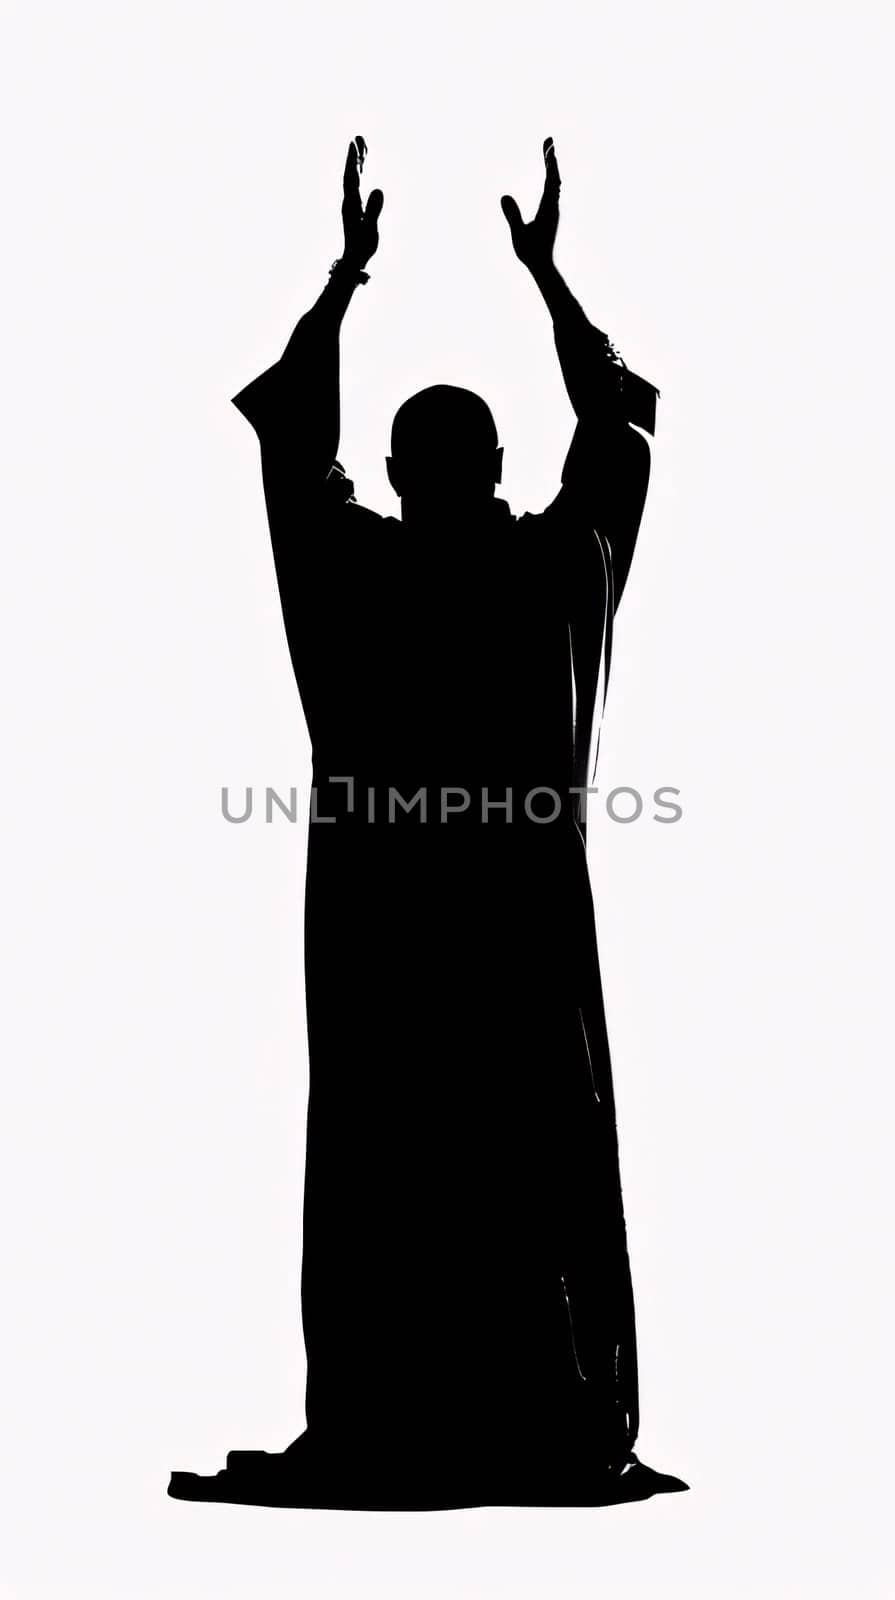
x=260, y=402
x=586, y=579
x=309, y=499
x=604, y=485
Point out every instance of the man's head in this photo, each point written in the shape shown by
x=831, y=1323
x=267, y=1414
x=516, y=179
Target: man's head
x=444, y=449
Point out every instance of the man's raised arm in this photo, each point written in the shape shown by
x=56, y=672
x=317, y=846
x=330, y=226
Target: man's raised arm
x=294, y=405
x=606, y=471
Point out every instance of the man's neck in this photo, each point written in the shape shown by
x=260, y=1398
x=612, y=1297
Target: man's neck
x=440, y=512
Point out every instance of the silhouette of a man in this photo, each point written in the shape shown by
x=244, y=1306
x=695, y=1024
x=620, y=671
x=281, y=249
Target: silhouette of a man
x=466, y=1294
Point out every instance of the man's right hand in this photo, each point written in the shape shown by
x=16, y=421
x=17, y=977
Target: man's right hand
x=533, y=241
x=359, y=222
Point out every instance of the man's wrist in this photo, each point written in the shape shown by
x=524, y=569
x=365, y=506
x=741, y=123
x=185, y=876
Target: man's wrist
x=546, y=275
x=347, y=271
x=344, y=277
x=554, y=291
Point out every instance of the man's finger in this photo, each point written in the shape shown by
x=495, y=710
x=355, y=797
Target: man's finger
x=549, y=201
x=351, y=177
x=551, y=164
x=373, y=205
x=351, y=206
x=511, y=211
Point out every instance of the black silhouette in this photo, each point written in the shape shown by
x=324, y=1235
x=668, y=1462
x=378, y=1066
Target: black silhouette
x=466, y=1294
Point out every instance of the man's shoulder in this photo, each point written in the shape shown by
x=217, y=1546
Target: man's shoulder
x=365, y=518
x=350, y=539
x=562, y=518
x=336, y=508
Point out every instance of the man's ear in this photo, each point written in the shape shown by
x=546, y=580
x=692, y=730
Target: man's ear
x=498, y=464
x=393, y=476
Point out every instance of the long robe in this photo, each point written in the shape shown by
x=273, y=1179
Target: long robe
x=466, y=1293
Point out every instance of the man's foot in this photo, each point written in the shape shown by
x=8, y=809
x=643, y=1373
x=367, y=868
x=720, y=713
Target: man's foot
x=305, y=1476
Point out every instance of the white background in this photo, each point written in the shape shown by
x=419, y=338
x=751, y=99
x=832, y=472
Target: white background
x=172, y=205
